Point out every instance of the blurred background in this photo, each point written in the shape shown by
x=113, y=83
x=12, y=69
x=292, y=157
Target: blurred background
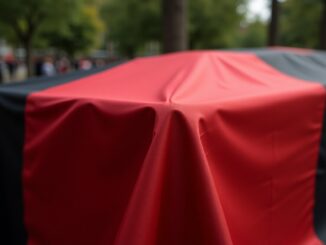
x=49, y=37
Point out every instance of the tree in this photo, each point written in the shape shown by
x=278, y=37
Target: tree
x=252, y=34
x=174, y=25
x=214, y=24
x=211, y=24
x=273, y=25
x=79, y=34
x=132, y=24
x=322, y=42
x=26, y=19
x=300, y=23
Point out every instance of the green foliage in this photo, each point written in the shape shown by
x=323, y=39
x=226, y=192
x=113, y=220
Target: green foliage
x=73, y=26
x=300, y=23
x=213, y=24
x=7, y=33
x=80, y=33
x=25, y=18
x=252, y=34
x=131, y=23
x=70, y=25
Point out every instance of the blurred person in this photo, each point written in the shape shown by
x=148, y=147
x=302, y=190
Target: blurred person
x=4, y=72
x=75, y=64
x=11, y=65
x=63, y=65
x=99, y=62
x=21, y=71
x=85, y=64
x=1, y=70
x=38, y=66
x=48, y=68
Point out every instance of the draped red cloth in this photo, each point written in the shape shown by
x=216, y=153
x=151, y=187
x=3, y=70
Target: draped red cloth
x=193, y=148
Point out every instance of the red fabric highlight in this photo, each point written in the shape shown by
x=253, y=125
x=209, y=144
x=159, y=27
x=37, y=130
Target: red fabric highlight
x=190, y=148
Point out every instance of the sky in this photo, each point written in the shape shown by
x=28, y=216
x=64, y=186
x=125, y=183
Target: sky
x=260, y=8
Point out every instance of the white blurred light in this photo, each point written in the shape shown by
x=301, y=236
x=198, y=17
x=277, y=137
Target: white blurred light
x=258, y=8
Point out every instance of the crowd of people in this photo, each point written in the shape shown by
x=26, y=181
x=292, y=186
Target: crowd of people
x=13, y=69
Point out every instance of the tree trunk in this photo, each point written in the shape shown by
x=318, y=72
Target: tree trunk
x=273, y=25
x=28, y=56
x=174, y=25
x=322, y=41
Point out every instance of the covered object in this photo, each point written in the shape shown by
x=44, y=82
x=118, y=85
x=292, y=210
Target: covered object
x=206, y=147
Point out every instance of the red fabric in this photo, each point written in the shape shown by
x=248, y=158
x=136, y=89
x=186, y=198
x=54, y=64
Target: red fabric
x=191, y=148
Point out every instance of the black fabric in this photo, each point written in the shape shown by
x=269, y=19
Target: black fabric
x=320, y=196
x=309, y=67
x=12, y=108
x=11, y=144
